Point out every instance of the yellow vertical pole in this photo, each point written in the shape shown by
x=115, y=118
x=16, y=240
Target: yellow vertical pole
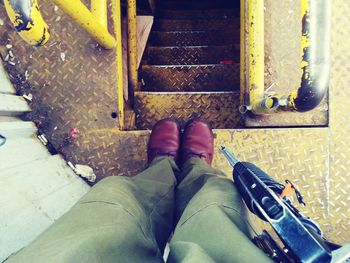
x=256, y=50
x=118, y=35
x=99, y=10
x=132, y=48
x=242, y=52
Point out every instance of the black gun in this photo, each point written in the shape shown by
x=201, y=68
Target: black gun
x=302, y=238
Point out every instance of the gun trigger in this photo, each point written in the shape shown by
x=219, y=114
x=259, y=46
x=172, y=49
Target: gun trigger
x=289, y=190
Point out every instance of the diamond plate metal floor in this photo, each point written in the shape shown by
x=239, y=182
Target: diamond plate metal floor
x=80, y=92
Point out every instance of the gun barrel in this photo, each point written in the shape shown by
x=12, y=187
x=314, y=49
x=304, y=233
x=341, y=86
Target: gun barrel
x=229, y=156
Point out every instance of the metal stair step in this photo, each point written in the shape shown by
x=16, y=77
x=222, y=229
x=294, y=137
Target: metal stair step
x=198, y=14
x=193, y=55
x=194, y=38
x=218, y=108
x=189, y=5
x=195, y=24
x=190, y=78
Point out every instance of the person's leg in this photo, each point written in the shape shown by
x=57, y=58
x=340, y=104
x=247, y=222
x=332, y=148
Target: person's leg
x=211, y=218
x=121, y=219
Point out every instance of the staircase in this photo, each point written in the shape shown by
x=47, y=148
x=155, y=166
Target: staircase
x=191, y=64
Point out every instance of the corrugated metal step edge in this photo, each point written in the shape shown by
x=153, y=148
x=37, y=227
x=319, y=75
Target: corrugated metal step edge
x=11, y=105
x=218, y=108
x=195, y=24
x=193, y=38
x=5, y=83
x=33, y=196
x=18, y=152
x=17, y=129
x=191, y=55
x=198, y=14
x=190, y=77
x=193, y=5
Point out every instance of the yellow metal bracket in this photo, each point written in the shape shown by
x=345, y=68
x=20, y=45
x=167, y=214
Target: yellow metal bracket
x=315, y=16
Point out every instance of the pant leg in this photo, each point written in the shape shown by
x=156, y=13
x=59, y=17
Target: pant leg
x=212, y=223
x=121, y=219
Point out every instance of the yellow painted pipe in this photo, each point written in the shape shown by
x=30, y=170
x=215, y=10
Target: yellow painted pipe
x=99, y=10
x=82, y=15
x=118, y=36
x=305, y=43
x=255, y=52
x=243, y=56
x=132, y=47
x=27, y=20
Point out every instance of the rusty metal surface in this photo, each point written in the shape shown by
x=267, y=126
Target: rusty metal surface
x=191, y=55
x=72, y=80
x=195, y=24
x=220, y=109
x=199, y=14
x=190, y=78
x=193, y=38
x=338, y=205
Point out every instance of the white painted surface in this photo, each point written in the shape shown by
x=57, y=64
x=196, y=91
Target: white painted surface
x=33, y=196
x=12, y=105
x=17, y=129
x=5, y=84
x=36, y=188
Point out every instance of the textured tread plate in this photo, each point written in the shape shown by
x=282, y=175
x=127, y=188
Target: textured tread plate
x=220, y=109
x=193, y=38
x=199, y=14
x=191, y=78
x=195, y=24
x=191, y=5
x=194, y=55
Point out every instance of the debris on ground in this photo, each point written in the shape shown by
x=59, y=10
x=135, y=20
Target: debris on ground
x=2, y=140
x=84, y=171
x=63, y=56
x=43, y=139
x=28, y=97
x=26, y=75
x=73, y=133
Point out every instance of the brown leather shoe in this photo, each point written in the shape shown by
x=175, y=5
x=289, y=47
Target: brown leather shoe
x=164, y=140
x=197, y=141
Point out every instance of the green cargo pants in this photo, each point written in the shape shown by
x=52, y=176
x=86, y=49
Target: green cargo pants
x=130, y=219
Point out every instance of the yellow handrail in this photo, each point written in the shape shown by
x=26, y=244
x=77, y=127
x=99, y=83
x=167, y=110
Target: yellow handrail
x=28, y=22
x=132, y=48
x=99, y=10
x=30, y=25
x=119, y=55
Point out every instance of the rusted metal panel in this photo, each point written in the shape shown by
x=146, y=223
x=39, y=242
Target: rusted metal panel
x=193, y=38
x=218, y=108
x=196, y=24
x=199, y=14
x=190, y=78
x=191, y=55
